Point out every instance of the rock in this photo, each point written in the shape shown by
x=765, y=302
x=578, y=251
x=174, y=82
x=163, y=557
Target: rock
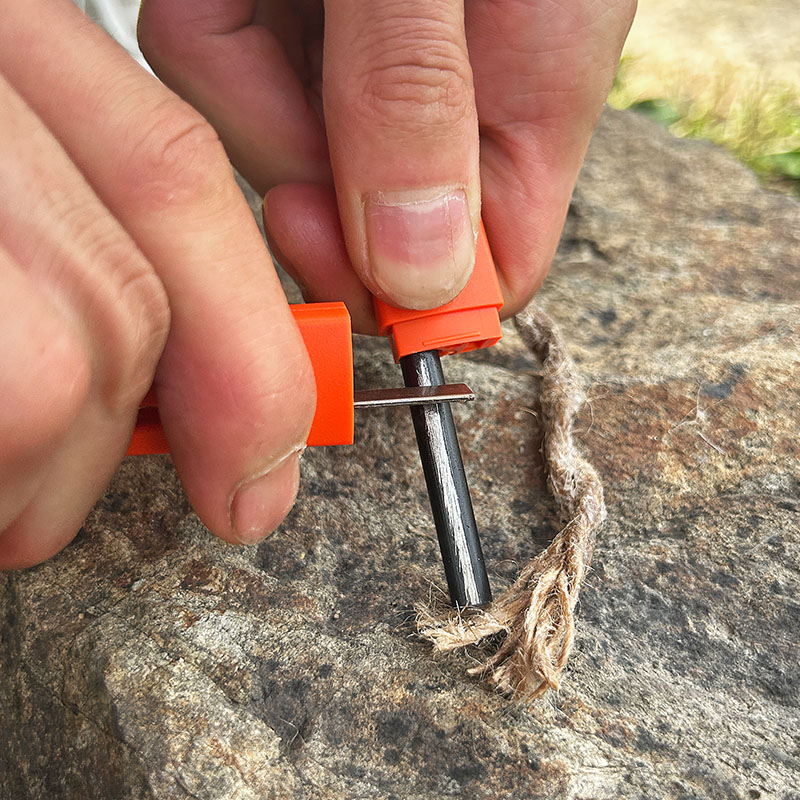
x=150, y=661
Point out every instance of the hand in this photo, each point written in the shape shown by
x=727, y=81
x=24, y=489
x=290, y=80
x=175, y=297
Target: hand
x=425, y=102
x=127, y=255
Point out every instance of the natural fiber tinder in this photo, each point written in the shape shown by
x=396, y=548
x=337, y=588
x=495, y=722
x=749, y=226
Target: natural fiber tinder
x=537, y=612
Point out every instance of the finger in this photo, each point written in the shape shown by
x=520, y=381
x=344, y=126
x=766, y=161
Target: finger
x=235, y=386
x=85, y=284
x=403, y=137
x=251, y=79
x=44, y=379
x=243, y=76
x=305, y=236
x=542, y=73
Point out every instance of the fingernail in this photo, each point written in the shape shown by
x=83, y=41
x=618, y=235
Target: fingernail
x=421, y=245
x=259, y=505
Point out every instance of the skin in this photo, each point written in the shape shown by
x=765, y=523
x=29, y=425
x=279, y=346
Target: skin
x=124, y=240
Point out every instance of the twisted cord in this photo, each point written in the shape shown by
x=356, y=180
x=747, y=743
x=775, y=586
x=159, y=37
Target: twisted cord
x=537, y=612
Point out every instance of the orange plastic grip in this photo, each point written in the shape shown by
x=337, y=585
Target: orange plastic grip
x=468, y=322
x=326, y=332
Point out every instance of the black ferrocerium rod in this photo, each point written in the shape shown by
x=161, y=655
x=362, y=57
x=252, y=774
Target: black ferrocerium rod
x=447, y=486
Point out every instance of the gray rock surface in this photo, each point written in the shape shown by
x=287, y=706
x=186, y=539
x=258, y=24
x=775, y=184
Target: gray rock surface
x=149, y=661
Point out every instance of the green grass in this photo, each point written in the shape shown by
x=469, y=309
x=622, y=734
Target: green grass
x=758, y=122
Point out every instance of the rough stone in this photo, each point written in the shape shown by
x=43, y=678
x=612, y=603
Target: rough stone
x=149, y=661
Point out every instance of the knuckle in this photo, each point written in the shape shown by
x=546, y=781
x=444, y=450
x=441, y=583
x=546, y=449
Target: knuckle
x=144, y=327
x=176, y=159
x=67, y=369
x=417, y=78
x=124, y=302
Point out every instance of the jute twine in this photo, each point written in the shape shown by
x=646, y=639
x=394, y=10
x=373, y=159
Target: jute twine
x=537, y=612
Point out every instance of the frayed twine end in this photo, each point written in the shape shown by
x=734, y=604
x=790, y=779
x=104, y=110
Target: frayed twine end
x=536, y=613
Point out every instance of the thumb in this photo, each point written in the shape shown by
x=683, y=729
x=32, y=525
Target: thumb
x=403, y=137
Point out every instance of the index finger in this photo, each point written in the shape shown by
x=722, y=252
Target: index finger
x=235, y=385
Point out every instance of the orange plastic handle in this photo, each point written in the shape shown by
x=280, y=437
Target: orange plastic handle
x=468, y=322
x=327, y=333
